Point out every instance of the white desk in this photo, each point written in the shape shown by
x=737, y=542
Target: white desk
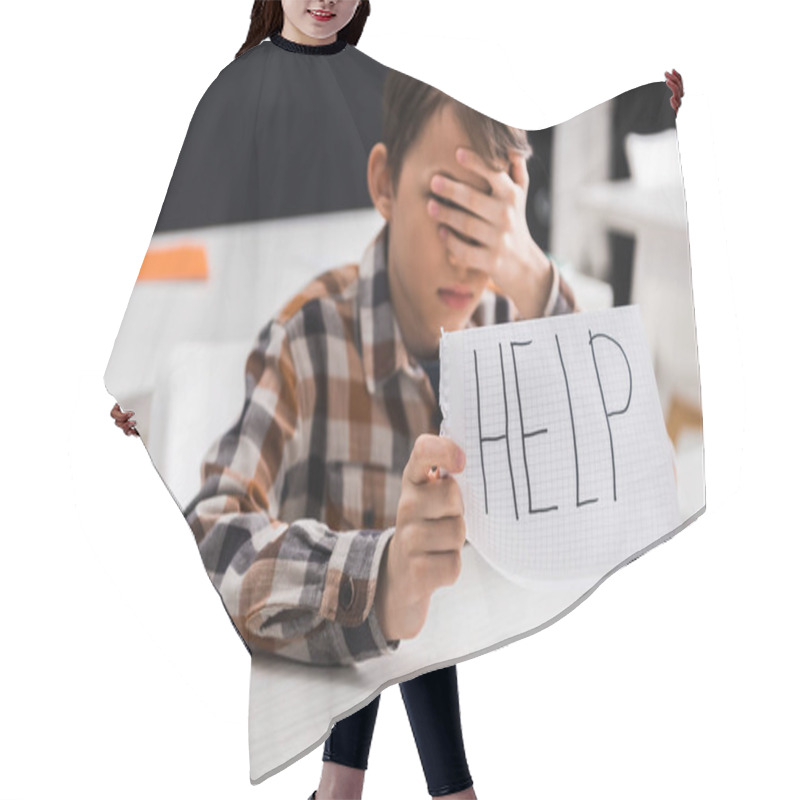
x=292, y=704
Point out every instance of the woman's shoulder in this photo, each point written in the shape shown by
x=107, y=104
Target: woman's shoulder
x=252, y=59
x=242, y=73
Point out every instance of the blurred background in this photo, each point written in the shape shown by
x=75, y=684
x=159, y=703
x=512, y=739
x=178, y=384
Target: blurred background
x=606, y=202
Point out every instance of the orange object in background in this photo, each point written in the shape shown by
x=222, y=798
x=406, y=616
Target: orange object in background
x=185, y=262
x=682, y=414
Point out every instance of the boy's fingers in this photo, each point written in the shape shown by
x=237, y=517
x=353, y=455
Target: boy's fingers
x=442, y=569
x=437, y=537
x=439, y=500
x=433, y=451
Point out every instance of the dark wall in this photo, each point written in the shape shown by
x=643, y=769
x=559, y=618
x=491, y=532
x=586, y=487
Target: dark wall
x=645, y=109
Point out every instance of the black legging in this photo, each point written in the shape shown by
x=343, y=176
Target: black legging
x=432, y=706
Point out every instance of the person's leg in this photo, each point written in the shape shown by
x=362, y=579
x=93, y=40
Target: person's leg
x=346, y=753
x=433, y=710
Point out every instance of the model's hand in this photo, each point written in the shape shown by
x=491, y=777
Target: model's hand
x=489, y=231
x=124, y=420
x=675, y=83
x=425, y=551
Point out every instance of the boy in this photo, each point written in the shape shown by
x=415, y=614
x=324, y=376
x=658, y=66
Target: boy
x=338, y=432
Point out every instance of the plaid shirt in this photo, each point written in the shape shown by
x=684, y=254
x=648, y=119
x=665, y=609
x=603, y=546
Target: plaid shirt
x=299, y=496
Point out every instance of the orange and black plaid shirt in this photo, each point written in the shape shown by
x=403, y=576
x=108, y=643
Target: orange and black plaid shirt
x=299, y=496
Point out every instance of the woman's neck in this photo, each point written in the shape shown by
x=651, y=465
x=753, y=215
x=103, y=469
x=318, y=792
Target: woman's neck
x=335, y=46
x=294, y=34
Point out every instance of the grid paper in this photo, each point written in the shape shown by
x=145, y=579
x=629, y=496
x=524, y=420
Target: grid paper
x=569, y=468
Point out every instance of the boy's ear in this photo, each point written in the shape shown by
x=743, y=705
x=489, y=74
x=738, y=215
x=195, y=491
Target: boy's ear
x=379, y=180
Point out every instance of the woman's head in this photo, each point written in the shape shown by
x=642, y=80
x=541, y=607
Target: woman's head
x=294, y=19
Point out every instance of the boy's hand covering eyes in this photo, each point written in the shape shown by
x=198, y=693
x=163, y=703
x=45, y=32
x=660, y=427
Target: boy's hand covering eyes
x=425, y=551
x=489, y=231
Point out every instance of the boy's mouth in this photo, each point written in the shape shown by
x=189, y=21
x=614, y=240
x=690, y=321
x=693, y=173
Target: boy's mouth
x=457, y=290
x=455, y=296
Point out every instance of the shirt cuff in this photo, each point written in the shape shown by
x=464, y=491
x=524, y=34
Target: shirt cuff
x=554, y=288
x=348, y=597
x=352, y=576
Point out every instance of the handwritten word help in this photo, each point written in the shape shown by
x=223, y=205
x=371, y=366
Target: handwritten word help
x=524, y=434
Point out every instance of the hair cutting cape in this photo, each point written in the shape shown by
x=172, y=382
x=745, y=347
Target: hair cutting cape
x=278, y=402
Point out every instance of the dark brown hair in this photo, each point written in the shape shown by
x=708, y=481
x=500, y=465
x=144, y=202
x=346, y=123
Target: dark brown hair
x=408, y=104
x=266, y=19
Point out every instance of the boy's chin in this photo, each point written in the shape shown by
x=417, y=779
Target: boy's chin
x=456, y=321
x=450, y=319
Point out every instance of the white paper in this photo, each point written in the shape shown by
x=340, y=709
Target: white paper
x=569, y=467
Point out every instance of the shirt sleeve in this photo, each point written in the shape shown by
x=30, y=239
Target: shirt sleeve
x=297, y=588
x=562, y=298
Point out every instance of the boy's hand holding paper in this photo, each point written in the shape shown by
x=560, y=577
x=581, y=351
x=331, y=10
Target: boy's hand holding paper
x=425, y=551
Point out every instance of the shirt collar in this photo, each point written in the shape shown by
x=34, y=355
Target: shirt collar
x=380, y=339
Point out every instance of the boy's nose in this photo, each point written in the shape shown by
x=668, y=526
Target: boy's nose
x=462, y=273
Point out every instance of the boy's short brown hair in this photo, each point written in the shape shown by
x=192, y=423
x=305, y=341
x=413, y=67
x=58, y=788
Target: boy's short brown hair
x=408, y=104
